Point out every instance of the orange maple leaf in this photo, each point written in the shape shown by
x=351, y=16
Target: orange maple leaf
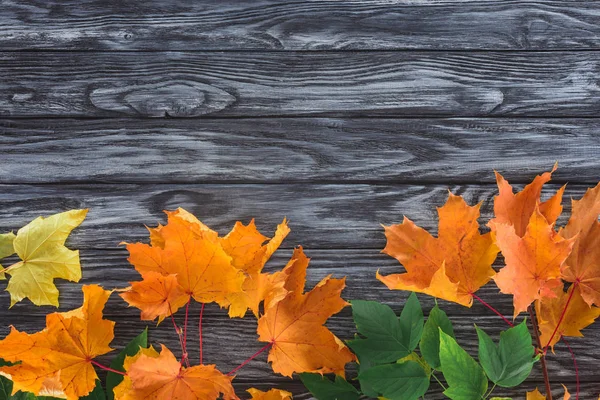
x=533, y=261
x=154, y=376
x=516, y=209
x=249, y=252
x=536, y=395
x=295, y=327
x=577, y=315
x=452, y=266
x=583, y=265
x=273, y=394
x=65, y=349
x=189, y=251
x=156, y=295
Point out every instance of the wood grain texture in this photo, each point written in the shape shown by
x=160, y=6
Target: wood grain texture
x=299, y=25
x=321, y=216
x=229, y=342
x=179, y=84
x=296, y=150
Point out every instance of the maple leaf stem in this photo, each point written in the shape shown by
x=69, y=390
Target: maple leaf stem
x=492, y=308
x=185, y=324
x=178, y=331
x=576, y=368
x=438, y=381
x=542, y=354
x=562, y=316
x=267, y=346
x=200, y=332
x=104, y=367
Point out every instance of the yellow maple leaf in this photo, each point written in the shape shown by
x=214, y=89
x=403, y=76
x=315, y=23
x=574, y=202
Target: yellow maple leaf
x=6, y=249
x=64, y=349
x=44, y=257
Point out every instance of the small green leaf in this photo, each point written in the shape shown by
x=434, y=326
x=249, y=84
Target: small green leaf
x=406, y=381
x=112, y=379
x=430, y=340
x=465, y=377
x=384, y=341
x=411, y=321
x=324, y=389
x=509, y=363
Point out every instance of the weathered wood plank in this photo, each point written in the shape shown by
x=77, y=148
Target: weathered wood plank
x=296, y=150
x=43, y=84
x=321, y=216
x=292, y=25
x=229, y=342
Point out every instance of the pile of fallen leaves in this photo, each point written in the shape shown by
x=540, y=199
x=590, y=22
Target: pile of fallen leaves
x=552, y=274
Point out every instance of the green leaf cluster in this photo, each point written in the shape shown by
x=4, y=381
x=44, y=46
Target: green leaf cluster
x=112, y=379
x=398, y=357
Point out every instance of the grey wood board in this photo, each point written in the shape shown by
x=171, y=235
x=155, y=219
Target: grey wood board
x=296, y=150
x=321, y=216
x=299, y=25
x=228, y=342
x=262, y=84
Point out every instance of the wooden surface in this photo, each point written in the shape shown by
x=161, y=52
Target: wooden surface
x=339, y=115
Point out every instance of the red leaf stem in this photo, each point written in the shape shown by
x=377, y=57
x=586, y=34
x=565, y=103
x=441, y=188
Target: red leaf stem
x=104, y=367
x=576, y=368
x=267, y=346
x=492, y=308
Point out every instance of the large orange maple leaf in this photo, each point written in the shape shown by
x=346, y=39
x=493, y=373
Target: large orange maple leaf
x=64, y=350
x=190, y=252
x=154, y=376
x=577, y=315
x=452, y=266
x=533, y=261
x=295, y=327
x=516, y=209
x=583, y=265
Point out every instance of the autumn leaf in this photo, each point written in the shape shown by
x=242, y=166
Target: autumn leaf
x=577, y=315
x=160, y=376
x=516, y=209
x=191, y=253
x=44, y=257
x=273, y=394
x=6, y=249
x=533, y=262
x=536, y=395
x=452, y=266
x=250, y=251
x=64, y=349
x=583, y=265
x=156, y=295
x=294, y=324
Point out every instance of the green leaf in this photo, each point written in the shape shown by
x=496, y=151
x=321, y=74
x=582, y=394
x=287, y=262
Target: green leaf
x=112, y=379
x=419, y=360
x=364, y=386
x=465, y=377
x=96, y=394
x=324, y=389
x=6, y=387
x=406, y=381
x=430, y=340
x=384, y=340
x=509, y=363
x=411, y=321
